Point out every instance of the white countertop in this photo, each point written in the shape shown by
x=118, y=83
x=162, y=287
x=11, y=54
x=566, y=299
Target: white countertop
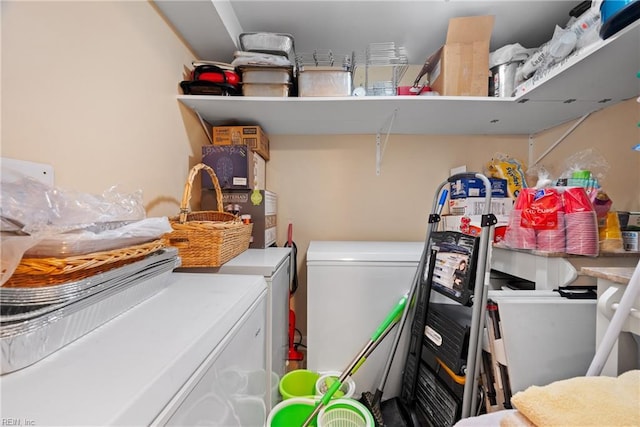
x=614, y=274
x=261, y=262
x=619, y=254
x=125, y=372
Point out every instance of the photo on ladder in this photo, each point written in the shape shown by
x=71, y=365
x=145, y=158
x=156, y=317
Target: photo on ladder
x=454, y=256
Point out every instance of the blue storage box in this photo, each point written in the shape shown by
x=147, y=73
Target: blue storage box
x=474, y=187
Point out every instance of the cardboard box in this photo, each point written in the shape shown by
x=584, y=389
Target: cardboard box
x=260, y=205
x=630, y=240
x=475, y=206
x=474, y=187
x=470, y=224
x=253, y=136
x=461, y=66
x=236, y=166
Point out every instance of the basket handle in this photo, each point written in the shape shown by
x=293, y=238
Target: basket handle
x=186, y=195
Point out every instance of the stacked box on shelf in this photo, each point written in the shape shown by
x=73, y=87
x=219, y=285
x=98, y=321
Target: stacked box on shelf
x=474, y=187
x=468, y=197
x=237, y=167
x=266, y=81
x=253, y=136
x=467, y=202
x=238, y=156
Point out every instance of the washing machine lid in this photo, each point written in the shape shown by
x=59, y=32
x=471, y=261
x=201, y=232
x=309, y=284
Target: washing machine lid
x=363, y=251
x=127, y=370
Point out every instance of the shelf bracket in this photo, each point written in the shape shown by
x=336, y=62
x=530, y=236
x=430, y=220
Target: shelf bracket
x=555, y=144
x=531, y=146
x=205, y=127
x=380, y=146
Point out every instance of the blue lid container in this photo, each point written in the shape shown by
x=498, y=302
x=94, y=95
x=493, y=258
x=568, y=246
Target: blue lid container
x=617, y=14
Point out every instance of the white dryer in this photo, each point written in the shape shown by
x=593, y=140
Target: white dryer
x=275, y=265
x=351, y=287
x=194, y=354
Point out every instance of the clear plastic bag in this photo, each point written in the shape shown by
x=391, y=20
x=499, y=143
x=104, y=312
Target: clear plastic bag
x=43, y=221
x=44, y=209
x=586, y=160
x=100, y=237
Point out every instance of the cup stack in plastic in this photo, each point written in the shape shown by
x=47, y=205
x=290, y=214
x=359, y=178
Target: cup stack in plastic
x=581, y=222
x=553, y=239
x=547, y=218
x=516, y=235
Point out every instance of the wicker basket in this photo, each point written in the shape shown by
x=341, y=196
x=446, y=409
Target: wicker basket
x=207, y=238
x=39, y=272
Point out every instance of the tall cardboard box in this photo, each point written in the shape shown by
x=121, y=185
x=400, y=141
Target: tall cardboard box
x=461, y=66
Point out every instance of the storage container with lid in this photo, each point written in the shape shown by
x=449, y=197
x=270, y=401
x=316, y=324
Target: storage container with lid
x=323, y=73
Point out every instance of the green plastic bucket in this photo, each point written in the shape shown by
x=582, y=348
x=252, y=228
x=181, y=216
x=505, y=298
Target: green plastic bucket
x=291, y=412
x=298, y=383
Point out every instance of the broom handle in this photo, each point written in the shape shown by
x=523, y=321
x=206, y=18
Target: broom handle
x=437, y=210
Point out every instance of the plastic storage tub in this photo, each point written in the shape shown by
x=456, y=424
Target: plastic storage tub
x=324, y=82
x=266, y=75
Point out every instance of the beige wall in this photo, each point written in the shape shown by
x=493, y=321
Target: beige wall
x=610, y=134
x=90, y=88
x=327, y=185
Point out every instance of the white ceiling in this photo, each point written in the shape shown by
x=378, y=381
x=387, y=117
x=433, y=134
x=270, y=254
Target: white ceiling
x=211, y=27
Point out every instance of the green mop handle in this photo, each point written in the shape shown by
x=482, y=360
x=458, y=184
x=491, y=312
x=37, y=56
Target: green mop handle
x=392, y=317
x=355, y=364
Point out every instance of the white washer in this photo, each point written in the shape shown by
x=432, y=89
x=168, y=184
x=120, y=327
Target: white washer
x=351, y=287
x=274, y=264
x=201, y=339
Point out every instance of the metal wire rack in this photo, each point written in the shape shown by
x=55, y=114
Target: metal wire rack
x=386, y=56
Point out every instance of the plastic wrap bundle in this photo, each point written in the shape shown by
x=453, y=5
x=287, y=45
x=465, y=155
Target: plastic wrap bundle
x=557, y=219
x=578, y=33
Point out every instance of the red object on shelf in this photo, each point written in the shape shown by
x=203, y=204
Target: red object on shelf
x=214, y=74
x=413, y=90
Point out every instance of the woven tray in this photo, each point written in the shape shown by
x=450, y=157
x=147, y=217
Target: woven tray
x=207, y=238
x=38, y=272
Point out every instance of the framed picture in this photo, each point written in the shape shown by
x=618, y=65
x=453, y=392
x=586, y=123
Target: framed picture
x=454, y=259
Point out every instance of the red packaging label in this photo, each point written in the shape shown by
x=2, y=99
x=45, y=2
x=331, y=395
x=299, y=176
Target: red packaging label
x=542, y=210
